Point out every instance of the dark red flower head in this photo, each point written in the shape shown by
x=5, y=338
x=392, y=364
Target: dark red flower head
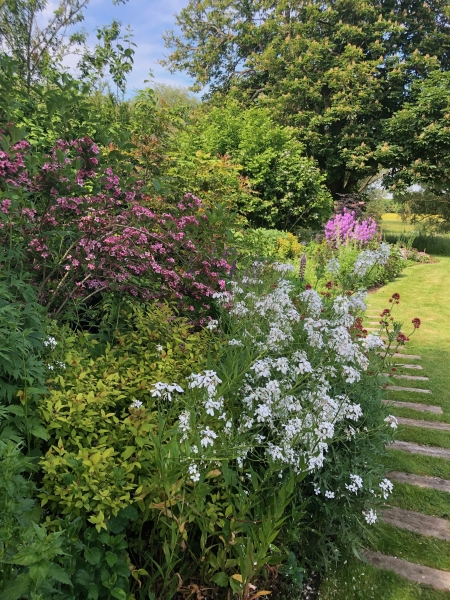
x=416, y=323
x=385, y=312
x=402, y=338
x=329, y=285
x=395, y=298
x=308, y=286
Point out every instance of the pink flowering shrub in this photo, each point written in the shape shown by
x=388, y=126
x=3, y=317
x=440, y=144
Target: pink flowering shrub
x=345, y=226
x=83, y=230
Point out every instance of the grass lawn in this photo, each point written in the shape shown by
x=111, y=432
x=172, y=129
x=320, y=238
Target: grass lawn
x=424, y=293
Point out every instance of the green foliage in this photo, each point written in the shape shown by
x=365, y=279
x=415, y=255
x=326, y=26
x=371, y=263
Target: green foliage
x=28, y=553
x=22, y=370
x=39, y=47
x=98, y=443
x=267, y=243
x=336, y=71
x=287, y=187
x=60, y=108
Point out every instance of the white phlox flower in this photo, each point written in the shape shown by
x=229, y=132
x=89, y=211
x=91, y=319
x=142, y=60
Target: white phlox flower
x=194, y=474
x=165, y=390
x=136, y=404
x=370, y=516
x=350, y=374
x=313, y=302
x=333, y=266
x=208, y=437
x=391, y=421
x=355, y=485
x=386, y=487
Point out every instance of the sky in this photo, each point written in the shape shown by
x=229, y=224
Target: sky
x=148, y=19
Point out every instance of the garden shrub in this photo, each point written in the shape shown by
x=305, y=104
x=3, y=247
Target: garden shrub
x=267, y=243
x=225, y=439
x=83, y=231
x=97, y=439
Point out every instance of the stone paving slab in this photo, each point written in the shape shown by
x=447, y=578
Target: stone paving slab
x=412, y=448
x=424, y=424
x=439, y=580
x=406, y=366
x=417, y=523
x=435, y=483
x=437, y=410
x=410, y=356
x=408, y=377
x=398, y=388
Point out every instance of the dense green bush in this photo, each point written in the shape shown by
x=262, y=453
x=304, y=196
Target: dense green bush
x=288, y=188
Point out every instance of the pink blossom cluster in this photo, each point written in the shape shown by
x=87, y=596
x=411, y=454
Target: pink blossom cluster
x=345, y=226
x=95, y=232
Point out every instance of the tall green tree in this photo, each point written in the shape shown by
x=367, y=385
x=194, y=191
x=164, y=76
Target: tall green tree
x=34, y=45
x=336, y=71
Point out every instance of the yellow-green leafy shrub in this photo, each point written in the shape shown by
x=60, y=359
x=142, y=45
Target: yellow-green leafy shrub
x=99, y=442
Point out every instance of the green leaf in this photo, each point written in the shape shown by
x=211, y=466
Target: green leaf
x=16, y=588
x=58, y=573
x=221, y=579
x=40, y=432
x=92, y=555
x=128, y=452
x=111, y=558
x=118, y=593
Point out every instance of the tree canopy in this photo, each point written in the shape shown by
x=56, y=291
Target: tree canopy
x=339, y=72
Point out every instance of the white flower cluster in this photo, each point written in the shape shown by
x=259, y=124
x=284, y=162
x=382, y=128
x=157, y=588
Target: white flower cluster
x=165, y=390
x=293, y=398
x=355, y=485
x=333, y=266
x=136, y=404
x=50, y=342
x=392, y=421
x=386, y=488
x=369, y=258
x=370, y=516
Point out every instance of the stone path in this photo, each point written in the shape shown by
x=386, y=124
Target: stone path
x=412, y=448
x=408, y=377
x=397, y=388
x=439, y=580
x=417, y=523
x=435, y=483
x=436, y=425
x=406, y=519
x=437, y=410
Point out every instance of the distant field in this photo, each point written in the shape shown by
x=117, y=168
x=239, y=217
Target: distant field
x=392, y=223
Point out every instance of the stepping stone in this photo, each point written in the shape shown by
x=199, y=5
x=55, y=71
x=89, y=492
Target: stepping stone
x=417, y=523
x=409, y=377
x=397, y=388
x=412, y=448
x=439, y=580
x=424, y=424
x=435, y=483
x=401, y=355
x=437, y=410
x=405, y=366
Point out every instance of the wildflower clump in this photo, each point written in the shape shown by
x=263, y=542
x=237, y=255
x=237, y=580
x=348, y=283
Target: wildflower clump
x=345, y=227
